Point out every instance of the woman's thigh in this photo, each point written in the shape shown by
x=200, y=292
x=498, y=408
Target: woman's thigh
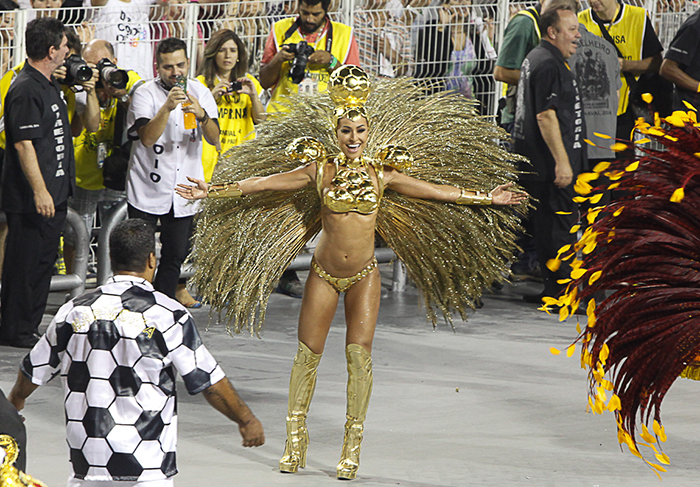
x=362, y=309
x=317, y=311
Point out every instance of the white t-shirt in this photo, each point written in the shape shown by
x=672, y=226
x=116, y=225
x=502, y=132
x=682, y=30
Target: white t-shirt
x=125, y=25
x=155, y=171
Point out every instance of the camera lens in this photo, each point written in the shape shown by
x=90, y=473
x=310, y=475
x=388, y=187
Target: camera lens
x=77, y=70
x=302, y=52
x=82, y=73
x=118, y=78
x=115, y=77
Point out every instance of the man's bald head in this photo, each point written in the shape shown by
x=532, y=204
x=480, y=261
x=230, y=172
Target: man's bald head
x=98, y=49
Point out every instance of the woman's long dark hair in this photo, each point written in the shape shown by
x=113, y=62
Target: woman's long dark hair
x=218, y=39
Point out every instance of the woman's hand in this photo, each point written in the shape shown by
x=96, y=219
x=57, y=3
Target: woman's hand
x=247, y=86
x=197, y=192
x=501, y=195
x=220, y=89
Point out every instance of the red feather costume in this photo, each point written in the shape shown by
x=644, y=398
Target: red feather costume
x=640, y=258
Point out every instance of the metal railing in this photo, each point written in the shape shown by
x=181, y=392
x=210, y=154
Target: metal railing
x=301, y=262
x=75, y=282
x=453, y=42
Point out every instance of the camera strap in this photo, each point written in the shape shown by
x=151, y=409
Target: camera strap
x=119, y=120
x=295, y=26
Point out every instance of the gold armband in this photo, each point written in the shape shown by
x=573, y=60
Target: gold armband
x=227, y=190
x=474, y=199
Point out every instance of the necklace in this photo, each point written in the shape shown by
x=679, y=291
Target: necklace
x=350, y=163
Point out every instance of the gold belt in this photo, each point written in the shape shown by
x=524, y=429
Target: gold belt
x=342, y=284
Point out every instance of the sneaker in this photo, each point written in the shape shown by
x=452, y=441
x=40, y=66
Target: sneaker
x=291, y=287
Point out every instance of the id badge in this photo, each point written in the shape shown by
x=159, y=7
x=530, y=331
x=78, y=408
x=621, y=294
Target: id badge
x=308, y=86
x=101, y=154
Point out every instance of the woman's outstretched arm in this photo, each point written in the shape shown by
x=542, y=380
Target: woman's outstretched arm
x=416, y=188
x=286, y=181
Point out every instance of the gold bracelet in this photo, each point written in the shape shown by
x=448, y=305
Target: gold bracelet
x=478, y=198
x=227, y=190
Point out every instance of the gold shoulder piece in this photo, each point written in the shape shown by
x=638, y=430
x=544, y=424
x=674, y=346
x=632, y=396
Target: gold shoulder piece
x=306, y=150
x=478, y=198
x=395, y=156
x=227, y=190
x=9, y=475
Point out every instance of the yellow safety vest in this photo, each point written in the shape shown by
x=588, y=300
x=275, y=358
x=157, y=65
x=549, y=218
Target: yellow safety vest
x=628, y=33
x=342, y=37
x=88, y=175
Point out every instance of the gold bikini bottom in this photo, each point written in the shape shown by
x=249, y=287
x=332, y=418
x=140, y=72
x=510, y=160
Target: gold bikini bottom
x=342, y=284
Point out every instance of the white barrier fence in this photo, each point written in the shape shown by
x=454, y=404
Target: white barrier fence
x=453, y=42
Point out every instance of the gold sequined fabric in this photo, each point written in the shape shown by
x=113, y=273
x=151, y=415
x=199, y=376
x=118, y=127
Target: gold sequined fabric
x=342, y=284
x=9, y=475
x=451, y=252
x=352, y=188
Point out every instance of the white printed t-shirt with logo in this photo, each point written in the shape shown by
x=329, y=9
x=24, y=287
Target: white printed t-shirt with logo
x=126, y=26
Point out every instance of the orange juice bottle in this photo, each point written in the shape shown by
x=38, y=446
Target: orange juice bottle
x=190, y=119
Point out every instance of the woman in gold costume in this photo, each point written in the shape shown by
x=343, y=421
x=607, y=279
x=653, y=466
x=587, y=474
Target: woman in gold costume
x=351, y=189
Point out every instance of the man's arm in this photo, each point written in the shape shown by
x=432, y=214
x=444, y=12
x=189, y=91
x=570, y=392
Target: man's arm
x=30, y=166
x=647, y=65
x=549, y=127
x=672, y=72
x=22, y=389
x=151, y=132
x=91, y=116
x=270, y=72
x=224, y=398
x=505, y=75
x=514, y=48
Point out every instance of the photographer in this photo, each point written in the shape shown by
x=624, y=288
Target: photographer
x=37, y=181
x=236, y=93
x=333, y=45
x=94, y=145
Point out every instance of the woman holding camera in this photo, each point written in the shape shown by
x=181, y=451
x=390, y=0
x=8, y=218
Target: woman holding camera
x=235, y=91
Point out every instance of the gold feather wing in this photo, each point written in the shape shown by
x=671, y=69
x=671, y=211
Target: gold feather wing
x=451, y=252
x=243, y=245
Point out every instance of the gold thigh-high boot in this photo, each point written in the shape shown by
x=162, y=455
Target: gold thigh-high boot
x=301, y=389
x=359, y=390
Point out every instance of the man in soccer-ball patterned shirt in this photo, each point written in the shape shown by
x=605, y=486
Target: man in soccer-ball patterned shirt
x=117, y=349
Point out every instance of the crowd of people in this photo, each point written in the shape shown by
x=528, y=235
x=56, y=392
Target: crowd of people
x=446, y=40
x=97, y=116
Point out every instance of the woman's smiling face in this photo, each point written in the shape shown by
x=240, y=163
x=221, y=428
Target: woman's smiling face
x=352, y=136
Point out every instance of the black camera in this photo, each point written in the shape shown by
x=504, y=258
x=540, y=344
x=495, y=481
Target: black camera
x=235, y=87
x=77, y=71
x=115, y=77
x=302, y=50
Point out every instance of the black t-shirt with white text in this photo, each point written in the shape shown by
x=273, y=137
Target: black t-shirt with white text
x=546, y=82
x=35, y=110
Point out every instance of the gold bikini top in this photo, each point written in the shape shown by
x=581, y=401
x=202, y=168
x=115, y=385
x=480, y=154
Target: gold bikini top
x=352, y=188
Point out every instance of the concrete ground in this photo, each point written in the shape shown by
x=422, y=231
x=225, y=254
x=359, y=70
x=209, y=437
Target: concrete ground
x=484, y=405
